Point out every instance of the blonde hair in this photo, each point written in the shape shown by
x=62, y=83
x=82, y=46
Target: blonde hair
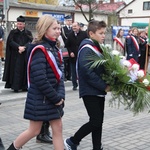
x=42, y=26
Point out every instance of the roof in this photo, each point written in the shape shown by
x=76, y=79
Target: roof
x=111, y=7
x=107, y=7
x=34, y=6
x=126, y=5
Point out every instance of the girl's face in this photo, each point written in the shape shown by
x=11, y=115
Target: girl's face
x=135, y=32
x=99, y=35
x=53, y=32
x=121, y=33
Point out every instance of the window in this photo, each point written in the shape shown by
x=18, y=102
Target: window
x=146, y=5
x=130, y=11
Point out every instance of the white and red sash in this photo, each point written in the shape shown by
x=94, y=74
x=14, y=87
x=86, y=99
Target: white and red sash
x=119, y=42
x=135, y=42
x=92, y=48
x=143, y=40
x=51, y=60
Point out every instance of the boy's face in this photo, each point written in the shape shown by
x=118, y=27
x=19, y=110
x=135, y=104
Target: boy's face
x=99, y=35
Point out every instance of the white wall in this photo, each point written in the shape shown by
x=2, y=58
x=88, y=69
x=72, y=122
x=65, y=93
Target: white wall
x=137, y=15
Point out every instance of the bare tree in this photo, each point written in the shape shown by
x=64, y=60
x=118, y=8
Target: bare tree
x=92, y=6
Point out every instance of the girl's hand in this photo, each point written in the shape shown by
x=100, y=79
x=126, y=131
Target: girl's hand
x=60, y=103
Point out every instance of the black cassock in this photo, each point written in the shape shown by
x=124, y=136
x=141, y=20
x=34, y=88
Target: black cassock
x=15, y=69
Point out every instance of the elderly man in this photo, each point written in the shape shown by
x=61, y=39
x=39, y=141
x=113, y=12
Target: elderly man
x=75, y=37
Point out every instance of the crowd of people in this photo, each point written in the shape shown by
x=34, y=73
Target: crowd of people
x=134, y=45
x=36, y=65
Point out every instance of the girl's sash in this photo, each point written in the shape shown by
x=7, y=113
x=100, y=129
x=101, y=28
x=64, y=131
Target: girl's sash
x=95, y=50
x=119, y=42
x=142, y=40
x=135, y=42
x=51, y=60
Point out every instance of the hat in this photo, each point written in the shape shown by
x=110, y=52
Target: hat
x=81, y=24
x=68, y=17
x=20, y=19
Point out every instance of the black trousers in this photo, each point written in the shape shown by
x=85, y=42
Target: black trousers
x=95, y=109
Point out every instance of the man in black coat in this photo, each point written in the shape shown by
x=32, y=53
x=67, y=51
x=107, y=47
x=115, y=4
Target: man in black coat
x=72, y=44
x=66, y=29
x=15, y=69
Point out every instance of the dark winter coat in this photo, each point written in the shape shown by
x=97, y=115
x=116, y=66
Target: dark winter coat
x=132, y=51
x=64, y=33
x=73, y=43
x=44, y=90
x=16, y=63
x=142, y=58
x=90, y=81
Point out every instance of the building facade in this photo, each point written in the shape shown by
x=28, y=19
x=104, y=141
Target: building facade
x=136, y=13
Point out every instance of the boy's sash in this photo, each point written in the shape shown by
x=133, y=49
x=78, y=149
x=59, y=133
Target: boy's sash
x=135, y=42
x=51, y=60
x=119, y=42
x=94, y=49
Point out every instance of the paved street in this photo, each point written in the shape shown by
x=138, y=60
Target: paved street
x=121, y=130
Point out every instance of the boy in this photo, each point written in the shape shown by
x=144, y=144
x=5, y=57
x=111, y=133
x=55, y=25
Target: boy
x=92, y=88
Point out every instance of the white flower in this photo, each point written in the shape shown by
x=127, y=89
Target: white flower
x=122, y=57
x=145, y=82
x=126, y=63
x=135, y=67
x=115, y=53
x=133, y=75
x=140, y=74
x=108, y=46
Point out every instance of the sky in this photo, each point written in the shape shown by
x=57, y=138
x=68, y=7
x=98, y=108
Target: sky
x=127, y=1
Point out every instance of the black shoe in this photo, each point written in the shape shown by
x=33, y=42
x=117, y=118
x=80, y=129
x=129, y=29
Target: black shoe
x=1, y=145
x=74, y=88
x=44, y=138
x=16, y=91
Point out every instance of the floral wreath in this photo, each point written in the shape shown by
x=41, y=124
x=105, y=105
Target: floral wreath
x=128, y=83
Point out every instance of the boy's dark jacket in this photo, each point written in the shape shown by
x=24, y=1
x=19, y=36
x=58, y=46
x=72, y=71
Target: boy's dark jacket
x=90, y=81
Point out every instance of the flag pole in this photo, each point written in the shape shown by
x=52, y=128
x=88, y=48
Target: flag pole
x=147, y=58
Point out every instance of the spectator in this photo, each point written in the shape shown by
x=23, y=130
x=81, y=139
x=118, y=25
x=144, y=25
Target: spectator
x=66, y=29
x=92, y=88
x=132, y=44
x=15, y=69
x=72, y=44
x=46, y=93
x=119, y=42
x=142, y=46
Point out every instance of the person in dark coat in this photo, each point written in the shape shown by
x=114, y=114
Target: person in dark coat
x=46, y=92
x=132, y=43
x=65, y=30
x=92, y=88
x=72, y=44
x=142, y=46
x=16, y=60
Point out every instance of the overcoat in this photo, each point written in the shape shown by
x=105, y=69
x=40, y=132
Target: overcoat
x=44, y=90
x=16, y=63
